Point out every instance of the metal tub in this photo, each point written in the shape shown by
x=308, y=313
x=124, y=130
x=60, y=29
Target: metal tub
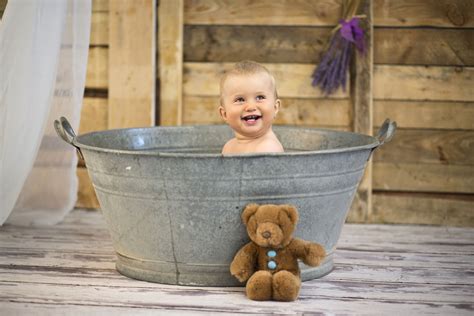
x=172, y=202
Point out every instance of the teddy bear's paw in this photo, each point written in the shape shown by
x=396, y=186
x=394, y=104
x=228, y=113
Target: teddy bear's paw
x=286, y=286
x=315, y=253
x=259, y=286
x=241, y=275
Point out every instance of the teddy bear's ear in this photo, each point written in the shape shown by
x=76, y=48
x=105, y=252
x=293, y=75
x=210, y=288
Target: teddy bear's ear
x=291, y=211
x=248, y=212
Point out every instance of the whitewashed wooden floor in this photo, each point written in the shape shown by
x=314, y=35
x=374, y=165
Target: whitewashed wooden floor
x=379, y=269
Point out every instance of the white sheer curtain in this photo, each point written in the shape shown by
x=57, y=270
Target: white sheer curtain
x=43, y=59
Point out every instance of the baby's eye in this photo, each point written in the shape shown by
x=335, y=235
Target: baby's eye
x=260, y=97
x=239, y=100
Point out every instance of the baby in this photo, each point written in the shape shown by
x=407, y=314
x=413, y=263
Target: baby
x=249, y=103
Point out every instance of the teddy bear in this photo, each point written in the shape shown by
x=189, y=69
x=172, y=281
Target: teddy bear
x=269, y=262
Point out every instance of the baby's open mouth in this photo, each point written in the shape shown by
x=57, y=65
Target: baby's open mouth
x=251, y=118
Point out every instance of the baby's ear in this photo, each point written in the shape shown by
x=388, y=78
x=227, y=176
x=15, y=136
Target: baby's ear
x=248, y=212
x=277, y=105
x=223, y=113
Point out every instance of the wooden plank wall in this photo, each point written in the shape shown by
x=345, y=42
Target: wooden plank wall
x=424, y=79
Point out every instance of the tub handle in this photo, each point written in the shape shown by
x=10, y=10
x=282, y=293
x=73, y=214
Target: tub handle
x=386, y=132
x=66, y=132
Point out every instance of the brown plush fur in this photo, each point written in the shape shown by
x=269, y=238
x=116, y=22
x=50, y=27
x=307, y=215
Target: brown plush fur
x=270, y=227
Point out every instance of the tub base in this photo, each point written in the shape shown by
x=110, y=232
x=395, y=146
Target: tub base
x=198, y=275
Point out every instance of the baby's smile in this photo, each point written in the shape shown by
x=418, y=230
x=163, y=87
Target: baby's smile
x=251, y=119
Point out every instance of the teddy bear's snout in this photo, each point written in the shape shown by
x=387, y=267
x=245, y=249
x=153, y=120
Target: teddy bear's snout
x=268, y=234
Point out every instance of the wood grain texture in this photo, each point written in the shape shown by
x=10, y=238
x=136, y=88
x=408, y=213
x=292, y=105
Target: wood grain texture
x=171, y=62
x=99, y=28
x=426, y=209
x=424, y=46
x=292, y=80
x=299, y=44
x=401, y=13
x=438, y=13
x=425, y=114
x=263, y=12
x=97, y=76
x=69, y=268
x=86, y=197
x=266, y=44
x=414, y=177
x=131, y=63
x=100, y=5
x=451, y=147
x=94, y=115
x=302, y=112
x=423, y=83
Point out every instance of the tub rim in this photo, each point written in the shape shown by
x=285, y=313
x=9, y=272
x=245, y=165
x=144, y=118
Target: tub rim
x=370, y=146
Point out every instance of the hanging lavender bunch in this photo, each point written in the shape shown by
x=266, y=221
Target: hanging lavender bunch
x=331, y=73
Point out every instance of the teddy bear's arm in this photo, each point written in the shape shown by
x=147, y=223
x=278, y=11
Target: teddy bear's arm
x=243, y=265
x=309, y=252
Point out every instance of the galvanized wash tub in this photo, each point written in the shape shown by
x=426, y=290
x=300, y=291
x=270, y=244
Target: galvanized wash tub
x=172, y=202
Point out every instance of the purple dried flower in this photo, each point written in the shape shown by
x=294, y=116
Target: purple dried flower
x=332, y=70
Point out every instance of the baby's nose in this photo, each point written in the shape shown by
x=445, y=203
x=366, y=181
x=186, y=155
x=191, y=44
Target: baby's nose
x=250, y=108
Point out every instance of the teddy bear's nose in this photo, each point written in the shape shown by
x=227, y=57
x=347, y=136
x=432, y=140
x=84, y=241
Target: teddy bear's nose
x=266, y=234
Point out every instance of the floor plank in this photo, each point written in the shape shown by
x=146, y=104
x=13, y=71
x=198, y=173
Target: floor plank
x=379, y=269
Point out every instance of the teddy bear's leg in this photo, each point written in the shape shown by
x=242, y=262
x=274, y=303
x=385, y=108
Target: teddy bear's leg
x=259, y=286
x=286, y=286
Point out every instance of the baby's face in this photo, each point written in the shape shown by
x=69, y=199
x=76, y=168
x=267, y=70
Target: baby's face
x=249, y=104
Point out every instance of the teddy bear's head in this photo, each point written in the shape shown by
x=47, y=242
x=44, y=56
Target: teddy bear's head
x=270, y=225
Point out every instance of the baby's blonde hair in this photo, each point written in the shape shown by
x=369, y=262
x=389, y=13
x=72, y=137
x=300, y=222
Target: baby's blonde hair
x=247, y=67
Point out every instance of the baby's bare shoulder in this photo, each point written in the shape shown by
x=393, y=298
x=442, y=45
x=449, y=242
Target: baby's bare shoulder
x=269, y=145
x=263, y=145
x=230, y=147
